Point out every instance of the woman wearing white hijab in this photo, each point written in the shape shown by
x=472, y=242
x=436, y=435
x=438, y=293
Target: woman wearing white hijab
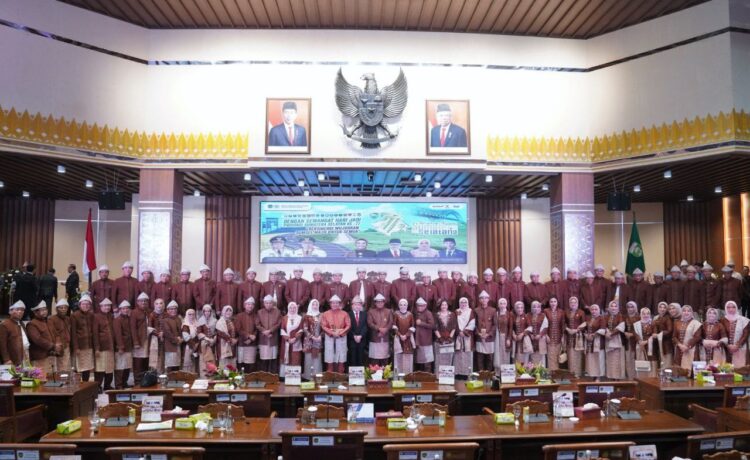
x=207, y=337
x=190, y=339
x=737, y=333
x=687, y=334
x=647, y=345
x=291, y=338
x=463, y=357
x=226, y=332
x=313, y=341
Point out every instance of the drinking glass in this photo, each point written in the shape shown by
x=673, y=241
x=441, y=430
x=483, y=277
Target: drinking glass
x=221, y=420
x=517, y=412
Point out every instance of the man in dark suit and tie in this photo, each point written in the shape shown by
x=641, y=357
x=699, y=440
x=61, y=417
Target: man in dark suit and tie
x=288, y=133
x=447, y=134
x=449, y=250
x=394, y=251
x=357, y=343
x=360, y=250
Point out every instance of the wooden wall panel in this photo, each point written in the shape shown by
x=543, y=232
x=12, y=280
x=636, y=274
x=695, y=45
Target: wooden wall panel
x=27, y=228
x=688, y=233
x=227, y=242
x=498, y=233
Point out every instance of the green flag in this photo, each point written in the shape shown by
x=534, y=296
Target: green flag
x=635, y=251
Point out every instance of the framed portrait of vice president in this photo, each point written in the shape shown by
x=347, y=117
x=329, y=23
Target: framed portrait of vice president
x=448, y=130
x=288, y=123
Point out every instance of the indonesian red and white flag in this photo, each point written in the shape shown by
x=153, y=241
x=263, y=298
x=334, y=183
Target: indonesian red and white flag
x=89, y=255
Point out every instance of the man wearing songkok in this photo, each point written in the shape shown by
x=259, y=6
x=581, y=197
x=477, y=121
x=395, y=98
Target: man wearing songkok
x=710, y=285
x=319, y=289
x=147, y=284
x=126, y=286
x=659, y=291
x=588, y=292
x=503, y=286
x=298, y=289
x=60, y=326
x=427, y=292
x=424, y=322
x=357, y=336
x=247, y=345
x=730, y=288
x=403, y=287
x=250, y=287
x=81, y=325
x=446, y=288
x=123, y=346
x=164, y=288
x=362, y=288
x=172, y=330
x=471, y=290
x=182, y=292
x=535, y=291
x=276, y=289
x=268, y=323
x=42, y=346
x=339, y=289
x=694, y=293
x=555, y=287
x=572, y=287
x=458, y=281
x=489, y=286
x=204, y=288
x=103, y=288
x=403, y=339
x=601, y=286
x=486, y=322
x=737, y=334
x=675, y=286
x=620, y=292
x=308, y=248
x=382, y=286
x=613, y=335
x=104, y=346
x=379, y=323
x=640, y=290
x=227, y=292
x=335, y=324
x=139, y=332
x=555, y=325
x=517, y=286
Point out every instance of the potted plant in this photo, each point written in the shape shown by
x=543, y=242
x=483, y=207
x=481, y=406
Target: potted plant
x=27, y=376
x=376, y=375
x=530, y=373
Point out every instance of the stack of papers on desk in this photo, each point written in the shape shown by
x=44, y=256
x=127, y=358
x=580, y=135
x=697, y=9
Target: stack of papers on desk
x=165, y=425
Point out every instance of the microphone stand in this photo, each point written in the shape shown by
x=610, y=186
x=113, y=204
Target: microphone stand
x=54, y=383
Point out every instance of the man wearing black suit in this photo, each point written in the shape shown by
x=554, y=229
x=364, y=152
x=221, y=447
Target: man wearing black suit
x=394, y=251
x=360, y=250
x=446, y=133
x=48, y=287
x=72, y=284
x=449, y=249
x=357, y=343
x=27, y=289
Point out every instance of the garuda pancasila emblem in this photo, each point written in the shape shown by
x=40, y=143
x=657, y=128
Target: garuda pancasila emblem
x=370, y=108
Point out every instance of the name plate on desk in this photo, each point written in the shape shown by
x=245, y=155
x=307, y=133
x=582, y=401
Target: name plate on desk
x=200, y=384
x=293, y=375
x=537, y=418
x=239, y=397
x=507, y=373
x=53, y=384
x=116, y=421
x=629, y=415
x=447, y=375
x=257, y=384
x=336, y=399
x=356, y=376
x=424, y=398
x=515, y=393
x=326, y=423
x=679, y=379
x=531, y=392
x=175, y=384
x=563, y=381
x=717, y=444
x=224, y=397
x=413, y=385
x=431, y=421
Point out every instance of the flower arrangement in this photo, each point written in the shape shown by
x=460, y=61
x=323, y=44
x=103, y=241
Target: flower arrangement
x=29, y=376
x=721, y=368
x=228, y=373
x=531, y=370
x=375, y=372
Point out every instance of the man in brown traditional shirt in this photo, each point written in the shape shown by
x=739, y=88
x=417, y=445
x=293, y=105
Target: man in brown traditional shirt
x=379, y=322
x=268, y=323
x=486, y=326
x=126, y=287
x=182, y=292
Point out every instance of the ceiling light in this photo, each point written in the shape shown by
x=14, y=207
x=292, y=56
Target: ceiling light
x=196, y=193
x=690, y=197
x=488, y=178
x=437, y=185
x=636, y=188
x=2, y=184
x=61, y=169
x=25, y=194
x=428, y=194
x=248, y=177
x=668, y=174
x=417, y=177
x=524, y=196
x=301, y=183
x=321, y=177
x=717, y=189
x=545, y=187
x=306, y=193
x=89, y=184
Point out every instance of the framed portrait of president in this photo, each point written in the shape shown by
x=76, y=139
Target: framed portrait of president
x=288, y=123
x=448, y=130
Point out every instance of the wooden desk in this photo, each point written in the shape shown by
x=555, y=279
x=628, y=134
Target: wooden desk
x=675, y=396
x=731, y=419
x=63, y=403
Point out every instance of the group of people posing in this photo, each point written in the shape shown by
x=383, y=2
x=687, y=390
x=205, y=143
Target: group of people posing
x=597, y=327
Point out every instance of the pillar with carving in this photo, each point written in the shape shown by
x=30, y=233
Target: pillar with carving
x=572, y=221
x=160, y=221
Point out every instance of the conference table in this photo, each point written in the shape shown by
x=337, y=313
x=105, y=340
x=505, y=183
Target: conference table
x=63, y=403
x=259, y=437
x=675, y=396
